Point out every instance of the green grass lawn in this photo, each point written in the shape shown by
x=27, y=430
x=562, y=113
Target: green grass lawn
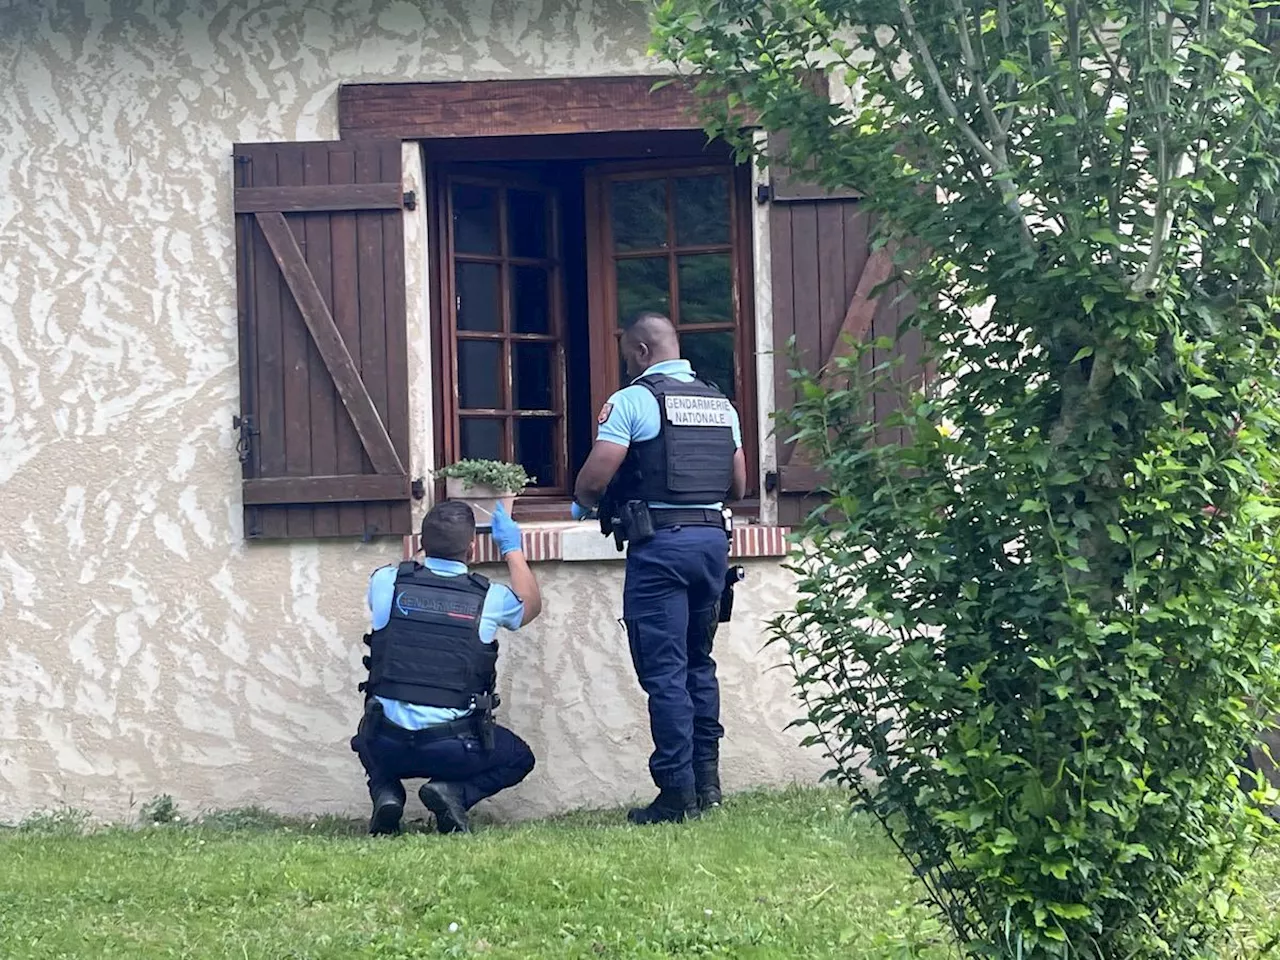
x=770, y=875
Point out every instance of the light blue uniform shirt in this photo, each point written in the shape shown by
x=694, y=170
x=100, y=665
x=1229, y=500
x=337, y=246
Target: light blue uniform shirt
x=502, y=608
x=632, y=416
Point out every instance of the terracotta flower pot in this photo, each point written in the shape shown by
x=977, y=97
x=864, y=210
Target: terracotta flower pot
x=483, y=500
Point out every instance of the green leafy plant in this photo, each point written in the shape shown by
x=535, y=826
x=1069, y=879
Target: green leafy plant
x=503, y=477
x=1038, y=618
x=160, y=810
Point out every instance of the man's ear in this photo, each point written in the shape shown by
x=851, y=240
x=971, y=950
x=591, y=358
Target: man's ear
x=471, y=552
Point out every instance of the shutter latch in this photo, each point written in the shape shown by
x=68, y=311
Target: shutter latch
x=244, y=446
x=770, y=481
x=410, y=200
x=764, y=193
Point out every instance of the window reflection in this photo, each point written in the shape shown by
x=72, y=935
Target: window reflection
x=535, y=447
x=706, y=288
x=479, y=368
x=702, y=210
x=712, y=356
x=478, y=287
x=642, y=285
x=527, y=224
x=481, y=439
x=531, y=375
x=639, y=212
x=475, y=219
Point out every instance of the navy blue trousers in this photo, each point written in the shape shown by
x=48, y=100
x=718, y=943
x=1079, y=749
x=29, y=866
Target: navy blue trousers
x=461, y=761
x=670, y=606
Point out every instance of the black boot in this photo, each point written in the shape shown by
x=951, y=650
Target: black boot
x=671, y=806
x=388, y=808
x=442, y=799
x=706, y=776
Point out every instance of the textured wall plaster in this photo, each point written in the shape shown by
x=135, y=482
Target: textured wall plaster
x=144, y=647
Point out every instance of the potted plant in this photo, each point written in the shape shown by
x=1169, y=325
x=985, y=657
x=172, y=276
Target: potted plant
x=483, y=484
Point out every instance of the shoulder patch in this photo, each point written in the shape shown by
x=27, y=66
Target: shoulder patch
x=605, y=412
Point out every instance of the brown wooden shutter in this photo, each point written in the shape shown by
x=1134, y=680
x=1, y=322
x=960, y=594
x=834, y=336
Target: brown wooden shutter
x=825, y=278
x=789, y=185
x=324, y=407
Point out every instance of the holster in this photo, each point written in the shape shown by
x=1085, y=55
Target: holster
x=637, y=522
x=610, y=520
x=485, y=723
x=732, y=577
x=369, y=721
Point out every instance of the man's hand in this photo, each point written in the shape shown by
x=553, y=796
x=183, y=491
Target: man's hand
x=505, y=531
x=579, y=512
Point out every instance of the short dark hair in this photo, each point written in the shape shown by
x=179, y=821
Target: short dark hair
x=448, y=529
x=642, y=318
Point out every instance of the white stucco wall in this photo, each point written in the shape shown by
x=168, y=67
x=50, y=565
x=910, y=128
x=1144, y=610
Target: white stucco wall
x=144, y=646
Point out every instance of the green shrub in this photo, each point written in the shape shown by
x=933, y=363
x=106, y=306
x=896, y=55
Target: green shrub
x=162, y=809
x=1037, y=622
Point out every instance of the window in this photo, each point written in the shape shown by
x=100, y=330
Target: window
x=539, y=265
x=668, y=241
x=506, y=324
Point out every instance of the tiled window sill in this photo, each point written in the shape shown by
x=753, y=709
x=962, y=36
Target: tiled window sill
x=583, y=542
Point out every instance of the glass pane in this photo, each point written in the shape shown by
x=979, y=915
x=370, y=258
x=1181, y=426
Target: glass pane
x=482, y=439
x=706, y=288
x=531, y=375
x=642, y=285
x=479, y=374
x=530, y=300
x=702, y=210
x=526, y=224
x=536, y=448
x=711, y=355
x=475, y=219
x=639, y=213
x=478, y=285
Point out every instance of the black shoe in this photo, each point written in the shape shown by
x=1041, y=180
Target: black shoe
x=670, y=806
x=388, y=808
x=442, y=799
x=706, y=777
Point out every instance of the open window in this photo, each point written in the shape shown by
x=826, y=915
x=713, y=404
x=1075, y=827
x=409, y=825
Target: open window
x=545, y=232
x=539, y=260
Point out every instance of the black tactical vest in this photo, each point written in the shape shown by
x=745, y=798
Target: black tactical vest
x=430, y=652
x=690, y=461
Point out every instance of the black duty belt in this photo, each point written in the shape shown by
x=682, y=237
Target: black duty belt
x=684, y=517
x=464, y=727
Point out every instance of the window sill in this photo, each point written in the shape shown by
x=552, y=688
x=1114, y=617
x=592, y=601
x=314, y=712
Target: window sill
x=569, y=542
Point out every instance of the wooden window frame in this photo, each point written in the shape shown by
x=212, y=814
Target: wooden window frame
x=498, y=108
x=551, y=119
x=540, y=505
x=451, y=399
x=605, y=327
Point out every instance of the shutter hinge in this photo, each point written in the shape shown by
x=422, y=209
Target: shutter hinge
x=418, y=489
x=241, y=158
x=764, y=193
x=770, y=481
x=370, y=532
x=244, y=446
x=410, y=200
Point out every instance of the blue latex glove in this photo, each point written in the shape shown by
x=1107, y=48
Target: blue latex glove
x=505, y=531
x=579, y=512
